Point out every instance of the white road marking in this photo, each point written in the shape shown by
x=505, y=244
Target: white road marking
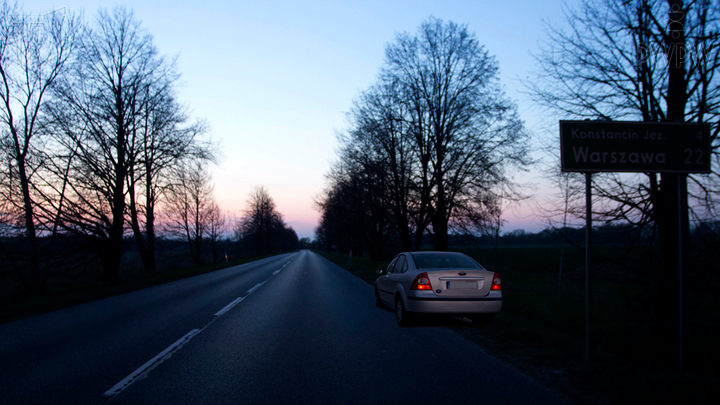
x=255, y=288
x=165, y=354
x=151, y=363
x=228, y=306
x=278, y=270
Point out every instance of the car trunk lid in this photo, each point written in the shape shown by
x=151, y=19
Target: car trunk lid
x=460, y=283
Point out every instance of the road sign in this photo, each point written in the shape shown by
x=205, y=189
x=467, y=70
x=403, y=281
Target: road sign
x=630, y=146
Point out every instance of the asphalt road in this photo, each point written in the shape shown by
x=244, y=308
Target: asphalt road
x=291, y=329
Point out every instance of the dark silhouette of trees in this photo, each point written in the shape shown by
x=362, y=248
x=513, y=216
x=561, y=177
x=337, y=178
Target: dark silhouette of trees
x=263, y=228
x=460, y=117
x=354, y=210
x=34, y=53
x=191, y=211
x=435, y=137
x=91, y=133
x=380, y=146
x=216, y=228
x=161, y=139
x=648, y=61
x=117, y=113
x=288, y=239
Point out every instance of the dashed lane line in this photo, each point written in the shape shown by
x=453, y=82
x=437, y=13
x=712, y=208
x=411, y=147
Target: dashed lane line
x=165, y=354
x=152, y=363
x=229, y=306
x=250, y=291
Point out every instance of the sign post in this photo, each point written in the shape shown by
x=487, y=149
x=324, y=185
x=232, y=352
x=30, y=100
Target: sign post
x=588, y=262
x=641, y=147
x=684, y=227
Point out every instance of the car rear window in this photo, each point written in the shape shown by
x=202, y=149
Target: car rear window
x=444, y=261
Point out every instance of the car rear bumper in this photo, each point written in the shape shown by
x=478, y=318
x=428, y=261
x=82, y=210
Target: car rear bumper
x=428, y=302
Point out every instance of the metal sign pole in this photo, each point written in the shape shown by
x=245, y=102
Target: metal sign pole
x=588, y=252
x=684, y=228
x=640, y=147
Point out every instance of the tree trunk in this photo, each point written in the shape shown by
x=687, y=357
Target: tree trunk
x=440, y=226
x=441, y=234
x=440, y=219
x=404, y=233
x=666, y=205
x=36, y=286
x=113, y=251
x=668, y=218
x=150, y=264
x=197, y=248
x=213, y=245
x=143, y=246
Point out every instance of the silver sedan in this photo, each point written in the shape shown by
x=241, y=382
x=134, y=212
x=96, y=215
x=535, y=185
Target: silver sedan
x=439, y=282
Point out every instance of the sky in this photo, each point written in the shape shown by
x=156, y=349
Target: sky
x=274, y=79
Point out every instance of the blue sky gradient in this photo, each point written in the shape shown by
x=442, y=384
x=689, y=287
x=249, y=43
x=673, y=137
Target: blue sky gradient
x=273, y=79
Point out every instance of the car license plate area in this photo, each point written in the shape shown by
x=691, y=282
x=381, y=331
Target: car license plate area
x=461, y=285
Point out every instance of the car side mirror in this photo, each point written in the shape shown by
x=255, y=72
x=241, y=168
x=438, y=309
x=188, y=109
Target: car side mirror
x=380, y=272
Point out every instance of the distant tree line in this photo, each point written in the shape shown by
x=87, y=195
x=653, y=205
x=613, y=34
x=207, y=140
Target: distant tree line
x=606, y=234
x=262, y=229
x=429, y=148
x=96, y=151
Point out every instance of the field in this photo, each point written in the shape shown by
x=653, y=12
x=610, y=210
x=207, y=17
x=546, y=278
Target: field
x=634, y=349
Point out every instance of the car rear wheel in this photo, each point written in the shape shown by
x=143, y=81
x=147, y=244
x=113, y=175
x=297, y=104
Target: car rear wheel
x=403, y=317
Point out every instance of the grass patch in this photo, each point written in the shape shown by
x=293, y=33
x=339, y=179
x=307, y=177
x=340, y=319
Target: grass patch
x=541, y=328
x=362, y=267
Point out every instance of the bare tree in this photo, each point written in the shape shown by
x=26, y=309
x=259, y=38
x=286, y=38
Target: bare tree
x=460, y=116
x=116, y=81
x=639, y=60
x=263, y=227
x=160, y=140
x=380, y=142
x=258, y=223
x=355, y=207
x=216, y=228
x=34, y=52
x=191, y=211
x=439, y=125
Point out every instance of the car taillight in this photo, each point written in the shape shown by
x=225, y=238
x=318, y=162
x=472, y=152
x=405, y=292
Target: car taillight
x=421, y=282
x=496, y=283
